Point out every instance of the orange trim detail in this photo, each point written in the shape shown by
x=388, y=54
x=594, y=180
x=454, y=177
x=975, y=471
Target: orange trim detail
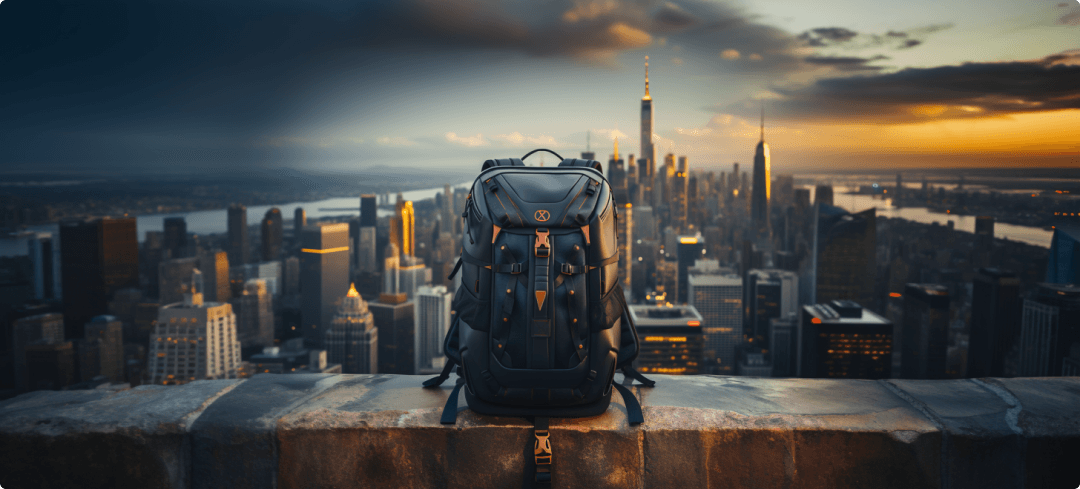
x=540, y=295
x=495, y=233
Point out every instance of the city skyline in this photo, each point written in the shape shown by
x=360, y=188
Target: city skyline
x=335, y=87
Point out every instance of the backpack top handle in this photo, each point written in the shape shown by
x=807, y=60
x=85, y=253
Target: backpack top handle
x=541, y=149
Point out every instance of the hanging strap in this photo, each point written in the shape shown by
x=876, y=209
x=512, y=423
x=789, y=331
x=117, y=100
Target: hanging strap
x=439, y=379
x=449, y=411
x=541, y=453
x=633, y=408
x=456, y=268
x=632, y=373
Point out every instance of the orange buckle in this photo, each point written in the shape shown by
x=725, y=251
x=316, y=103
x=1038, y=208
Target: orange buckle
x=541, y=245
x=542, y=448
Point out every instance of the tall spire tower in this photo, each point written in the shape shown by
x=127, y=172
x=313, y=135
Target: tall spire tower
x=647, y=151
x=759, y=203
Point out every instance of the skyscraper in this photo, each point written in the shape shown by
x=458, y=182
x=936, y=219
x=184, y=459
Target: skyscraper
x=174, y=279
x=719, y=301
x=783, y=345
x=254, y=311
x=625, y=232
x=432, y=322
x=844, y=255
x=272, y=231
x=194, y=340
x=105, y=334
x=403, y=227
x=995, y=321
x=671, y=339
x=761, y=194
x=1063, y=265
x=397, y=334
x=690, y=249
x=44, y=254
x=239, y=251
x=647, y=152
x=353, y=339
x=844, y=340
x=926, y=331
x=1049, y=330
x=38, y=329
x=324, y=277
x=366, y=246
x=175, y=238
x=214, y=266
x=679, y=195
x=770, y=294
x=823, y=194
x=97, y=258
x=299, y=221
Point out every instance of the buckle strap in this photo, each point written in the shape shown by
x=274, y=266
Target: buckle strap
x=456, y=268
x=542, y=450
x=633, y=407
x=632, y=373
x=449, y=412
x=568, y=269
x=513, y=268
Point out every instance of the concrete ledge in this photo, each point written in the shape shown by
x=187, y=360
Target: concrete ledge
x=322, y=430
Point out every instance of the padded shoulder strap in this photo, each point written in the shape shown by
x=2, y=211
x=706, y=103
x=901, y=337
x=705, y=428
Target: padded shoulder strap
x=595, y=165
x=502, y=162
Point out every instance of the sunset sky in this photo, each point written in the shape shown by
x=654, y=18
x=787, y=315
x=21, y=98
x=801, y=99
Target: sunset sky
x=336, y=85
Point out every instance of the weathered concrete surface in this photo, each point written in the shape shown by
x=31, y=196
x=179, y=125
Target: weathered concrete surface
x=234, y=441
x=345, y=431
x=135, y=438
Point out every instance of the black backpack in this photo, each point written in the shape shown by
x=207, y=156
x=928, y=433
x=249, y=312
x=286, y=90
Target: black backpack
x=540, y=323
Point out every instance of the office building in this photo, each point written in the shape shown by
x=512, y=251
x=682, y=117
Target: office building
x=239, y=247
x=689, y=250
x=299, y=222
x=671, y=339
x=394, y=319
x=269, y=271
x=367, y=245
x=1049, y=330
x=175, y=238
x=254, y=311
x=762, y=192
x=105, y=336
x=194, y=340
x=174, y=278
x=823, y=194
x=272, y=234
x=644, y=223
x=844, y=255
x=783, y=345
x=97, y=258
x=754, y=364
x=925, y=331
x=678, y=202
x=44, y=254
x=846, y=341
x=403, y=227
x=353, y=339
x=214, y=266
x=995, y=321
x=770, y=294
x=40, y=328
x=1063, y=264
x=50, y=366
x=718, y=299
x=324, y=277
x=432, y=321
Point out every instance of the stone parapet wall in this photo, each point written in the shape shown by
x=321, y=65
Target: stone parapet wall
x=346, y=431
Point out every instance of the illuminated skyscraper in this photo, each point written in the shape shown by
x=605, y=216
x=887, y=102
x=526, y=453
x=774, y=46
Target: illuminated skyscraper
x=843, y=340
x=403, y=227
x=647, y=151
x=625, y=232
x=690, y=249
x=762, y=193
x=272, y=231
x=194, y=340
x=678, y=201
x=671, y=339
x=353, y=339
x=324, y=277
x=844, y=254
x=239, y=249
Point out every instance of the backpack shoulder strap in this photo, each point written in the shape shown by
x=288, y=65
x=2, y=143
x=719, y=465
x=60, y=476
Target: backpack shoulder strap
x=595, y=165
x=502, y=162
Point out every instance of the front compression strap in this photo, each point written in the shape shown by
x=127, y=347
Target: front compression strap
x=438, y=380
x=542, y=453
x=632, y=373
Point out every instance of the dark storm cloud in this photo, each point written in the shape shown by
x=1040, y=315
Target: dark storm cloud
x=910, y=43
x=1072, y=18
x=846, y=38
x=947, y=92
x=846, y=63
